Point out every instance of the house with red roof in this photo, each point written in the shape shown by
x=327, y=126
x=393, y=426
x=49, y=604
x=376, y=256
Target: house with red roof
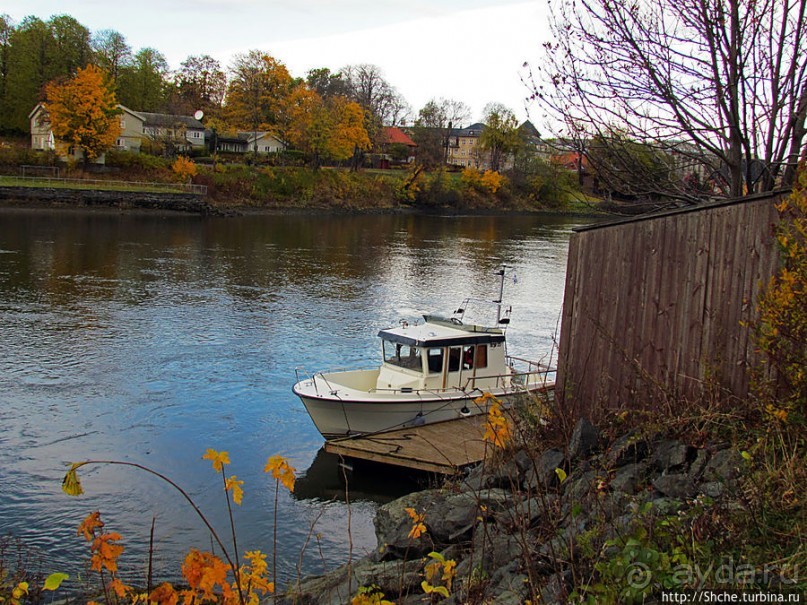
x=395, y=147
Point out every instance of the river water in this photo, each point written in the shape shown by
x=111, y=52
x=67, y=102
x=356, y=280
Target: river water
x=150, y=338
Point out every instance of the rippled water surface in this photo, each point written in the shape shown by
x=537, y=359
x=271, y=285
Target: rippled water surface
x=149, y=339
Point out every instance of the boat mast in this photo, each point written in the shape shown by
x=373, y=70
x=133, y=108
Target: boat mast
x=498, y=302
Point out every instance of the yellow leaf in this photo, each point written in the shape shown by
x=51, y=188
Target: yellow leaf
x=54, y=580
x=561, y=474
x=219, y=459
x=234, y=485
x=281, y=470
x=71, y=484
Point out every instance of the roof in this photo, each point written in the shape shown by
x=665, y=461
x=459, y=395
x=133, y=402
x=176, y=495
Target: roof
x=474, y=130
x=394, y=135
x=167, y=120
x=440, y=332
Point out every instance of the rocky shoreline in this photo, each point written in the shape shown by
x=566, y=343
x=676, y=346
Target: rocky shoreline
x=44, y=198
x=516, y=528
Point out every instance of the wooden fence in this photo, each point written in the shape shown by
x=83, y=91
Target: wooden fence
x=656, y=307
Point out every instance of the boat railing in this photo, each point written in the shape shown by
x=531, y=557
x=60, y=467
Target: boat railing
x=525, y=371
x=300, y=373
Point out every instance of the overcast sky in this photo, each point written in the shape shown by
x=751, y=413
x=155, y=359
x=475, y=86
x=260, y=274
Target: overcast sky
x=468, y=50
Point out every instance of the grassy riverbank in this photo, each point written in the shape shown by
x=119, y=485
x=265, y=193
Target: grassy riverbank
x=230, y=185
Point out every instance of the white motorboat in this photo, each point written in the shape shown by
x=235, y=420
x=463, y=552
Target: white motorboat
x=431, y=371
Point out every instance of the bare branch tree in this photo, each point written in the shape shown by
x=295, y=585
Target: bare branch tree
x=720, y=80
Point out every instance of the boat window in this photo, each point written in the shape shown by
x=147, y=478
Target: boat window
x=454, y=359
x=467, y=358
x=402, y=355
x=481, y=356
x=435, y=357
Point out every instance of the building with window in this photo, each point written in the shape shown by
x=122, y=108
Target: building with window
x=183, y=134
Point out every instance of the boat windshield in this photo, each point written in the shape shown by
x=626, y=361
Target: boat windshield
x=403, y=356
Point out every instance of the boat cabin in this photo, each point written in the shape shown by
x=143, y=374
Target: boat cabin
x=441, y=354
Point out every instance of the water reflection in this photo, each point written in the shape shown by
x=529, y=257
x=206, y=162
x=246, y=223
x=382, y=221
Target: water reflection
x=150, y=338
x=331, y=477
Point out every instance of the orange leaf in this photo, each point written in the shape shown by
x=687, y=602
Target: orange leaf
x=88, y=526
x=164, y=594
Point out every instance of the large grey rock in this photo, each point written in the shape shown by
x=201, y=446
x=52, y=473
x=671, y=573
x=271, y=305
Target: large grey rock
x=509, y=586
x=542, y=475
x=578, y=486
x=672, y=456
x=453, y=516
x=584, y=441
x=725, y=465
x=393, y=524
x=555, y=591
x=340, y=585
x=628, y=449
x=629, y=478
x=698, y=466
x=679, y=485
x=508, y=474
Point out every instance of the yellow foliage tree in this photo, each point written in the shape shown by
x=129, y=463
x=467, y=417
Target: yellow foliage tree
x=83, y=112
x=184, y=169
x=332, y=129
x=471, y=177
x=349, y=133
x=492, y=181
x=781, y=332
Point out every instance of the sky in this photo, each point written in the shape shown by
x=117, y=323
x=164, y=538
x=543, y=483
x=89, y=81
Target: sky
x=467, y=50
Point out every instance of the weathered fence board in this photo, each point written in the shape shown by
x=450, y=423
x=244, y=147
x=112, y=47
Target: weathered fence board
x=656, y=308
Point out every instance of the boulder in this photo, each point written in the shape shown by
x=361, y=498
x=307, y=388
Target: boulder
x=542, y=474
x=679, y=485
x=672, y=456
x=393, y=524
x=628, y=449
x=338, y=586
x=629, y=478
x=584, y=441
x=724, y=465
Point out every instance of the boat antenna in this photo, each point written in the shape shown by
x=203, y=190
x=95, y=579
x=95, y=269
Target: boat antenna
x=501, y=273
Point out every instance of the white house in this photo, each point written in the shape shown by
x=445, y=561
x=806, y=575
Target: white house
x=246, y=142
x=183, y=133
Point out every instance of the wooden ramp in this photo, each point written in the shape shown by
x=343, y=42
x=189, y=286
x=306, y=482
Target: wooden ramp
x=441, y=447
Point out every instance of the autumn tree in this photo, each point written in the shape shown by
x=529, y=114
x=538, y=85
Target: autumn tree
x=727, y=77
x=258, y=93
x=432, y=129
x=500, y=137
x=83, y=112
x=349, y=134
x=326, y=129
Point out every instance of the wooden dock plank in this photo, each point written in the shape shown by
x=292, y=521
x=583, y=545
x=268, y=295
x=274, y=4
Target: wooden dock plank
x=441, y=447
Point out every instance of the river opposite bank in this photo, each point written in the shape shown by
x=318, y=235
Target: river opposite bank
x=242, y=189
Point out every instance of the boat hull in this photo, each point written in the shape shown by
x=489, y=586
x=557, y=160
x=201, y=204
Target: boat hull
x=336, y=416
